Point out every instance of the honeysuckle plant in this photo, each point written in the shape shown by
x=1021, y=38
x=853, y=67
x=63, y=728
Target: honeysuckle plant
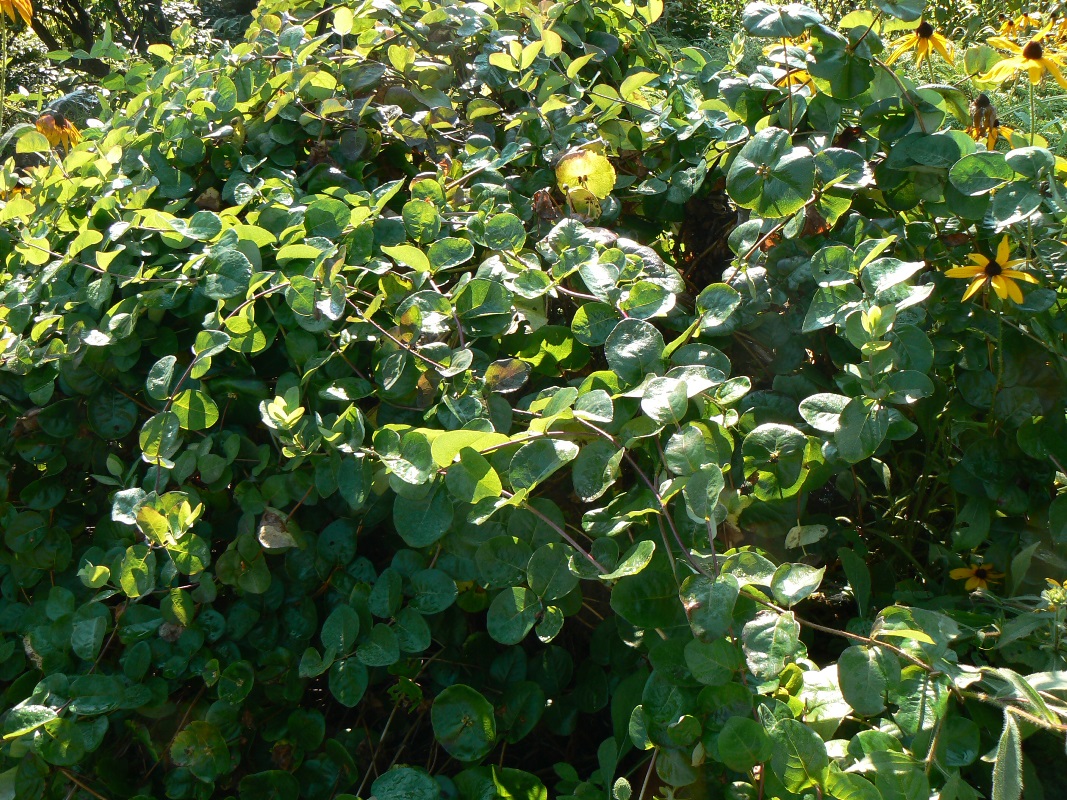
x=382, y=417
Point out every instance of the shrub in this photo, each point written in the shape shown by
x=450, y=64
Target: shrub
x=381, y=420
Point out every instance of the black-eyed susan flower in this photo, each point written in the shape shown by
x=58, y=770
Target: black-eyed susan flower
x=1031, y=58
x=999, y=272
x=58, y=130
x=1026, y=21
x=978, y=576
x=924, y=40
x=985, y=124
x=15, y=9
x=1007, y=25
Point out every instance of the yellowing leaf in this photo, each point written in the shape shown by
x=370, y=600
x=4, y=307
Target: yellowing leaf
x=585, y=169
x=342, y=20
x=502, y=61
x=576, y=65
x=631, y=83
x=529, y=54
x=907, y=633
x=553, y=43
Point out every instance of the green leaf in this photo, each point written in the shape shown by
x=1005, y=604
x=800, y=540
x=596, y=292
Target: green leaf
x=409, y=256
x=636, y=559
x=201, y=748
x=1057, y=519
x=449, y=252
x=472, y=479
x=348, y=681
x=381, y=649
x=743, y=743
x=463, y=722
x=709, y=604
x=906, y=10
x=195, y=410
x=634, y=349
x=787, y=21
x=512, y=614
x=777, y=453
x=799, y=757
x=405, y=783
x=236, y=682
x=716, y=303
x=420, y=523
x=864, y=426
x=649, y=599
x=549, y=573
x=505, y=232
x=980, y=173
x=26, y=719
x=863, y=680
x=534, y=462
x=794, y=582
x=770, y=641
x=434, y=591
x=859, y=577
x=271, y=784
x=340, y=630
x=770, y=176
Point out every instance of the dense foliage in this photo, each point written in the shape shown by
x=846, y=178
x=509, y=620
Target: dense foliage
x=382, y=412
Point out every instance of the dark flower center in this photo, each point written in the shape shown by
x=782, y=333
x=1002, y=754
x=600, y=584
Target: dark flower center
x=982, y=101
x=992, y=269
x=925, y=30
x=1033, y=51
x=981, y=573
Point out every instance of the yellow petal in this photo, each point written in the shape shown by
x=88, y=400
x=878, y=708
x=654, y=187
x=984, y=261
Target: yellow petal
x=922, y=51
x=905, y=46
x=964, y=272
x=979, y=259
x=1054, y=71
x=972, y=290
x=960, y=573
x=973, y=583
x=1003, y=250
x=943, y=46
x=1003, y=70
x=1036, y=71
x=1015, y=275
x=1003, y=43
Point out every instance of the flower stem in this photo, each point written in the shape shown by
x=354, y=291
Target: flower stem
x=788, y=83
x=1033, y=115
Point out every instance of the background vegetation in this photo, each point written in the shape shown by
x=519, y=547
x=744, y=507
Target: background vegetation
x=473, y=400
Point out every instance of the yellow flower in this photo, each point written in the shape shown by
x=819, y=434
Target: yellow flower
x=1007, y=26
x=57, y=129
x=1031, y=58
x=23, y=8
x=796, y=77
x=976, y=575
x=1026, y=21
x=998, y=273
x=924, y=40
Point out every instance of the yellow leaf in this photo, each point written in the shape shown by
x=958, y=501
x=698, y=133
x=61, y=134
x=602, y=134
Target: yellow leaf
x=907, y=633
x=553, y=43
x=576, y=65
x=529, y=54
x=502, y=61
